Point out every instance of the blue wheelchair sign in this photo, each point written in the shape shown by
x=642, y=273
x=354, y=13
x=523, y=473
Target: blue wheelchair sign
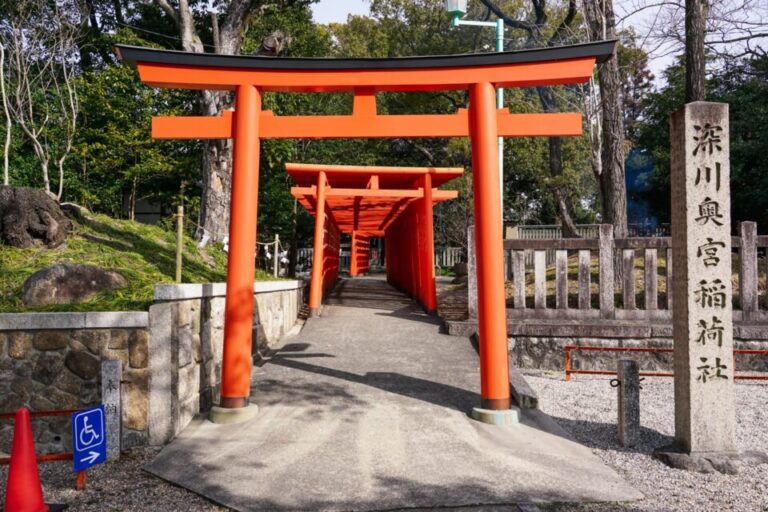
x=89, y=440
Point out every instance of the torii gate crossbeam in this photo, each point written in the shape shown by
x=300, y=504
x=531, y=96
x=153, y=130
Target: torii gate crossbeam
x=480, y=74
x=365, y=201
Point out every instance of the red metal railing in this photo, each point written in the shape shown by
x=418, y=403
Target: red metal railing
x=577, y=348
x=48, y=457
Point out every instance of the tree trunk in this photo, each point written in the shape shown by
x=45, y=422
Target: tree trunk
x=559, y=192
x=132, y=200
x=696, y=12
x=4, y=99
x=613, y=183
x=602, y=25
x=217, y=180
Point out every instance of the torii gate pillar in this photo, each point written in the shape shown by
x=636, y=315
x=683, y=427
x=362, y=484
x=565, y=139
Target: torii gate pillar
x=238, y=311
x=494, y=352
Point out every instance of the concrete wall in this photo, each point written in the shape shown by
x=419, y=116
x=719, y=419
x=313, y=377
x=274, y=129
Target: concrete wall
x=171, y=359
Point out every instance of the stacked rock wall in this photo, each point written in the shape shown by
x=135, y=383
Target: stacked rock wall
x=171, y=359
x=58, y=367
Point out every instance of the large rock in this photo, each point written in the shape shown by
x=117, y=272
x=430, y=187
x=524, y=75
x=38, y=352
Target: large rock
x=65, y=283
x=29, y=216
x=82, y=364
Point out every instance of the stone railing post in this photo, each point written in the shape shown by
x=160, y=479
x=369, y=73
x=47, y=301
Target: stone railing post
x=748, y=270
x=628, y=377
x=471, y=272
x=111, y=377
x=607, y=301
x=160, y=385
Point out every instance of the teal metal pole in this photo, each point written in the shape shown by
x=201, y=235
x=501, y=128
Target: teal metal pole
x=500, y=104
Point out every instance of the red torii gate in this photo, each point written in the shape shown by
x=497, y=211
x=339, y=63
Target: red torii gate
x=250, y=76
x=366, y=201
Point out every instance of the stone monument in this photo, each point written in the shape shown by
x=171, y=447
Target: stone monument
x=111, y=377
x=703, y=313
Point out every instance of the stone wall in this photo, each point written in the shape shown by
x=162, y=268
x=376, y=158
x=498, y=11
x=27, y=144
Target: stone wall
x=548, y=353
x=187, y=326
x=52, y=361
x=171, y=359
x=540, y=344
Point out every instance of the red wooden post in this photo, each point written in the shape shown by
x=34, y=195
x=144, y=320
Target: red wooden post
x=318, y=256
x=238, y=313
x=491, y=303
x=430, y=292
x=82, y=479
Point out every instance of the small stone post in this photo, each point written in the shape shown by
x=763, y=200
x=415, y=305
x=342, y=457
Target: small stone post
x=276, y=262
x=701, y=246
x=179, y=241
x=111, y=375
x=471, y=272
x=628, y=376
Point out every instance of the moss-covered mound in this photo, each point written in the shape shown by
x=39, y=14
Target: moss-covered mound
x=144, y=255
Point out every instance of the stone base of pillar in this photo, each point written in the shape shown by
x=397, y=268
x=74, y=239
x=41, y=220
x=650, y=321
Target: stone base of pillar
x=503, y=417
x=225, y=415
x=314, y=312
x=729, y=463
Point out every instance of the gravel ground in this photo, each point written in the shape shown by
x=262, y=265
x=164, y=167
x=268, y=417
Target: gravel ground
x=586, y=407
x=119, y=486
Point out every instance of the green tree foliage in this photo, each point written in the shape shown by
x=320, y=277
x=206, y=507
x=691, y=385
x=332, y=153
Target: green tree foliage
x=744, y=86
x=116, y=161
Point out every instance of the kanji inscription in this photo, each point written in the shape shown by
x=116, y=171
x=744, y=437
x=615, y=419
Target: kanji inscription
x=701, y=246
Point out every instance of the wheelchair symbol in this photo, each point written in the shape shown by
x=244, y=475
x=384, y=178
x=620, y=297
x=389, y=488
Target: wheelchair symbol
x=88, y=436
x=90, y=430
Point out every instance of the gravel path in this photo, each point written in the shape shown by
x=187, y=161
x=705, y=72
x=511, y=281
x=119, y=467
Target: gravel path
x=586, y=407
x=119, y=486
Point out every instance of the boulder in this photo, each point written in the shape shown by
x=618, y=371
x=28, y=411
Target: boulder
x=65, y=283
x=29, y=216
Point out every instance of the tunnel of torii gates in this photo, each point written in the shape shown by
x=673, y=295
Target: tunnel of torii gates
x=391, y=202
x=250, y=76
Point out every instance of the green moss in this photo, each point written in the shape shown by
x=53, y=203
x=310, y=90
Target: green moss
x=145, y=255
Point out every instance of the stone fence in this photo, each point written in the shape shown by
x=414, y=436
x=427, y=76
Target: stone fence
x=578, y=302
x=171, y=359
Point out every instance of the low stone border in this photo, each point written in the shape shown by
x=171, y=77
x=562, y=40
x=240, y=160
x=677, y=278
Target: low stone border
x=166, y=292
x=88, y=320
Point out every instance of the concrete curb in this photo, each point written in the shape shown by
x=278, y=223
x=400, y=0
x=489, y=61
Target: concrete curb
x=89, y=320
x=167, y=292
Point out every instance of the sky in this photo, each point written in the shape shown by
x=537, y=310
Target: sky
x=328, y=11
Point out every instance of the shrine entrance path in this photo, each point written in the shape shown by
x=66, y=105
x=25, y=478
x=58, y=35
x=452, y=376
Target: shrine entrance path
x=366, y=409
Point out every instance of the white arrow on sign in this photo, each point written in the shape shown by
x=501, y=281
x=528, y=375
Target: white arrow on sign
x=92, y=456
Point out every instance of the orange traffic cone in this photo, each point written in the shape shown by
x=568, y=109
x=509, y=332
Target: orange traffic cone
x=23, y=492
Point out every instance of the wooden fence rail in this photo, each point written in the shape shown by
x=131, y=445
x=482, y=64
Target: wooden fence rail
x=566, y=291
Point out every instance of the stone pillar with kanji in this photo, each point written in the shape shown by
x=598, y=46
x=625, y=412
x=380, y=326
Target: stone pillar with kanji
x=703, y=311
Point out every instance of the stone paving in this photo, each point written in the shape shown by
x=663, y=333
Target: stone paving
x=366, y=409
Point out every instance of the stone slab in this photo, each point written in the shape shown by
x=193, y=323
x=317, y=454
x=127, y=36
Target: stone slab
x=116, y=319
x=90, y=320
x=32, y=321
x=522, y=392
x=367, y=409
x=111, y=377
x=168, y=292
